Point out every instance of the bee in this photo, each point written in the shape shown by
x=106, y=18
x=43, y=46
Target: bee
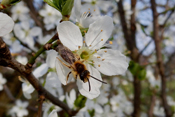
x=77, y=66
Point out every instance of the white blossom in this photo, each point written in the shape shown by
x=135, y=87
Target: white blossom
x=107, y=61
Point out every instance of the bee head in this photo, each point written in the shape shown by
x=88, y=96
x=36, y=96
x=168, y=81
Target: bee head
x=84, y=75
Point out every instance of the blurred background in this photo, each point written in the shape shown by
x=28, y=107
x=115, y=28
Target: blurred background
x=144, y=31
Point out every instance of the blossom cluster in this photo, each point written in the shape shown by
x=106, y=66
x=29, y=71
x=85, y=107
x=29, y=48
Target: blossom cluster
x=94, y=36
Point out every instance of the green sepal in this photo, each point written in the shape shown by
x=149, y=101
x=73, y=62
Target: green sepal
x=80, y=101
x=67, y=8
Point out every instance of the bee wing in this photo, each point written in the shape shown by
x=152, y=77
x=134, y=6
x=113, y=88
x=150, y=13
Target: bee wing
x=62, y=71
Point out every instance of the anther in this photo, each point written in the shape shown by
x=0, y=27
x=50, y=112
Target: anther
x=101, y=30
x=103, y=59
x=88, y=8
x=84, y=31
x=90, y=45
x=105, y=51
x=94, y=10
x=98, y=57
x=101, y=39
x=98, y=65
x=83, y=41
x=110, y=42
x=79, y=47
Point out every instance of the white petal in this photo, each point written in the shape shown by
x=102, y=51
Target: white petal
x=95, y=85
x=98, y=108
x=35, y=31
x=27, y=87
x=50, y=59
x=101, y=29
x=25, y=25
x=53, y=113
x=71, y=98
x=6, y=24
x=27, y=95
x=77, y=8
x=19, y=32
x=40, y=71
x=114, y=62
x=62, y=71
x=70, y=35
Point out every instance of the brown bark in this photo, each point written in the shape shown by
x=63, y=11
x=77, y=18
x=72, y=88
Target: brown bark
x=160, y=65
x=129, y=35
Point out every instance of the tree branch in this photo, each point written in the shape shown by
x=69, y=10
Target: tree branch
x=159, y=58
x=7, y=61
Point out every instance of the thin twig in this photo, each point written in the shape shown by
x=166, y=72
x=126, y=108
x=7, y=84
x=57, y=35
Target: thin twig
x=41, y=100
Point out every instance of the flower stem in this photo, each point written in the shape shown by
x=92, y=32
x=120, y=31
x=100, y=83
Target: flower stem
x=42, y=49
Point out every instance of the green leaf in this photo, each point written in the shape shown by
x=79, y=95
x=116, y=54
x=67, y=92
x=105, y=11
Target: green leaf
x=142, y=74
x=67, y=7
x=137, y=70
x=91, y=112
x=51, y=3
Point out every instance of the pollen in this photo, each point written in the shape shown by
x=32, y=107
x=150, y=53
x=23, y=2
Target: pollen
x=101, y=39
x=103, y=59
x=110, y=42
x=98, y=65
x=105, y=51
x=101, y=30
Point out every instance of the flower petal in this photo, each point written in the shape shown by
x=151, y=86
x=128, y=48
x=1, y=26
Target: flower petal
x=70, y=35
x=41, y=70
x=53, y=113
x=99, y=32
x=110, y=62
x=62, y=71
x=95, y=85
x=6, y=24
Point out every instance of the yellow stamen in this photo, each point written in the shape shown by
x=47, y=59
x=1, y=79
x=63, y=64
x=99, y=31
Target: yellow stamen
x=105, y=51
x=98, y=65
x=101, y=30
x=98, y=57
x=101, y=39
x=110, y=42
x=103, y=59
x=83, y=41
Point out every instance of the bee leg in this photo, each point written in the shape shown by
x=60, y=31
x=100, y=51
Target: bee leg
x=64, y=63
x=68, y=76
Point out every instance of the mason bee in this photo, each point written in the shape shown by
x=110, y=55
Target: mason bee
x=77, y=66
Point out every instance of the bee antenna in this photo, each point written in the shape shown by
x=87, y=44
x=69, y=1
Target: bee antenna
x=89, y=84
x=98, y=79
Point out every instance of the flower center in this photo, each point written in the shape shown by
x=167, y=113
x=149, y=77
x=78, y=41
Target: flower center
x=85, y=53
